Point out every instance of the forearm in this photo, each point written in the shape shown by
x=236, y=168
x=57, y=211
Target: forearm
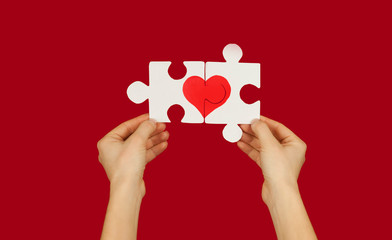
x=122, y=214
x=289, y=215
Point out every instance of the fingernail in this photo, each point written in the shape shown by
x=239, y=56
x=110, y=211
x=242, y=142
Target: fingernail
x=153, y=122
x=165, y=135
x=254, y=121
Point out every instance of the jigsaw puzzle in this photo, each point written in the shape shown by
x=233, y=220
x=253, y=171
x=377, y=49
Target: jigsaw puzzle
x=209, y=92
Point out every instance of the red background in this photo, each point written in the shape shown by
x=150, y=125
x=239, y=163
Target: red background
x=65, y=68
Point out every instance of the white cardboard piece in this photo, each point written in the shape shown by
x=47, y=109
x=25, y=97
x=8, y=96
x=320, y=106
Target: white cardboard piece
x=163, y=92
x=234, y=111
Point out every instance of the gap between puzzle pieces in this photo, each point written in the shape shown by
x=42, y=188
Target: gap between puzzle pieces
x=215, y=100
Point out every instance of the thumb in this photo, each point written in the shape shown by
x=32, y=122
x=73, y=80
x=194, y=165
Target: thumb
x=263, y=133
x=143, y=132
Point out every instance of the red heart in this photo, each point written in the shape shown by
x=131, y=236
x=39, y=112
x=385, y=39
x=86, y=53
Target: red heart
x=208, y=95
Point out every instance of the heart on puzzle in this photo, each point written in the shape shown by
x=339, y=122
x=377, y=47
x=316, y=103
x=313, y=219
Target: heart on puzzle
x=208, y=95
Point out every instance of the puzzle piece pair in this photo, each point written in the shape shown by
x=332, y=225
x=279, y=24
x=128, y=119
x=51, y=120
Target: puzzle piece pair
x=209, y=92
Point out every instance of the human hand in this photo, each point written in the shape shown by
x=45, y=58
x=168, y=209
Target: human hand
x=125, y=151
x=277, y=150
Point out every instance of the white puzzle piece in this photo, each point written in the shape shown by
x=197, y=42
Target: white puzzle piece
x=234, y=111
x=163, y=92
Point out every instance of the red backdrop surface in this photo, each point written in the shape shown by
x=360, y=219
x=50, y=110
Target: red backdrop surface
x=325, y=73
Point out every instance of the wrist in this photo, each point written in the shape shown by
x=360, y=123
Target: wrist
x=134, y=186
x=272, y=194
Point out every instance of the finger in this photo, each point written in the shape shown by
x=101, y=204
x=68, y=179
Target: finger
x=160, y=128
x=155, y=151
x=250, y=140
x=247, y=129
x=263, y=133
x=125, y=129
x=280, y=131
x=157, y=139
x=250, y=151
x=143, y=133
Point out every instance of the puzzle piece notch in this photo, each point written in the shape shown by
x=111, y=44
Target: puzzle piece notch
x=234, y=111
x=250, y=94
x=177, y=70
x=175, y=113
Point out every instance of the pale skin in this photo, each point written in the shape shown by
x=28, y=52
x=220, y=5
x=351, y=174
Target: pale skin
x=125, y=151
